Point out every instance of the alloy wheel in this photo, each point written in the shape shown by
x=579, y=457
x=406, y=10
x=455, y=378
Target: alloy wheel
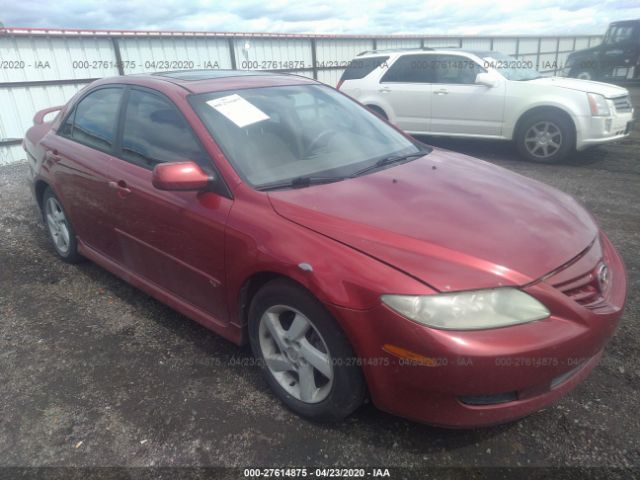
x=295, y=354
x=543, y=139
x=58, y=226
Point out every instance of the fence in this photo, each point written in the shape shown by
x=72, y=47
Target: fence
x=43, y=67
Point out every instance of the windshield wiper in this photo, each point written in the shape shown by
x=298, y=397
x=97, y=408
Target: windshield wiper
x=299, y=182
x=383, y=162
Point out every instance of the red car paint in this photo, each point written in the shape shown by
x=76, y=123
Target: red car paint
x=445, y=222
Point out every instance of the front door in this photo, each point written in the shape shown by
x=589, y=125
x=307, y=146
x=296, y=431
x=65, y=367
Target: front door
x=459, y=106
x=175, y=240
x=618, y=54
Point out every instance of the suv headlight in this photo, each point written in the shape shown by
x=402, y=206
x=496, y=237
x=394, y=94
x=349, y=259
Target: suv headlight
x=471, y=310
x=598, y=105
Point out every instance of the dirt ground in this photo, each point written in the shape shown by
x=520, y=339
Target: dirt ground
x=95, y=373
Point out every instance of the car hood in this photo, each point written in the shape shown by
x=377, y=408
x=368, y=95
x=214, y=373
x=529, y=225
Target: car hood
x=452, y=221
x=584, y=52
x=605, y=89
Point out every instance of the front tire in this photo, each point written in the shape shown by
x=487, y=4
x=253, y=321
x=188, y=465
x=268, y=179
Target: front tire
x=60, y=230
x=582, y=73
x=307, y=360
x=545, y=138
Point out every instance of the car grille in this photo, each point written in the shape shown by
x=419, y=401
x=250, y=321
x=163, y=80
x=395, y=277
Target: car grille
x=579, y=280
x=622, y=104
x=584, y=289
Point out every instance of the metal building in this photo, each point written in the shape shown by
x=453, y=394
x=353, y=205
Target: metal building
x=40, y=68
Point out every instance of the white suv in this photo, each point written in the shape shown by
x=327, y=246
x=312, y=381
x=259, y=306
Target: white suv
x=465, y=93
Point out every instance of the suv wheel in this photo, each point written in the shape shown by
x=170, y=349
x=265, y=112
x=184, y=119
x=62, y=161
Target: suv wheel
x=545, y=138
x=60, y=230
x=306, y=358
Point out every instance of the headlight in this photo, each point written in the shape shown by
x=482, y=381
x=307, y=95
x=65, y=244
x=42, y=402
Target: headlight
x=472, y=310
x=598, y=105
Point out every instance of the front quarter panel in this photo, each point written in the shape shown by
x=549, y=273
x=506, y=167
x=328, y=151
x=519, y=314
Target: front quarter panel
x=525, y=96
x=259, y=240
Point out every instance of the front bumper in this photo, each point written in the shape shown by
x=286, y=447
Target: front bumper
x=599, y=130
x=477, y=378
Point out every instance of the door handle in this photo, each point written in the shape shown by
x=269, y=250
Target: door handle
x=121, y=187
x=384, y=90
x=442, y=91
x=53, y=155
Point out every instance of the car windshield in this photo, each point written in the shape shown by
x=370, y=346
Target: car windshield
x=510, y=67
x=273, y=135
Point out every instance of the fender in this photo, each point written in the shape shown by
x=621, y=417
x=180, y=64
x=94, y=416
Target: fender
x=562, y=104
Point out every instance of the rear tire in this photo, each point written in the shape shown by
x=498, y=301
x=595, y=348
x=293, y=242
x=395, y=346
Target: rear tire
x=306, y=358
x=60, y=230
x=545, y=137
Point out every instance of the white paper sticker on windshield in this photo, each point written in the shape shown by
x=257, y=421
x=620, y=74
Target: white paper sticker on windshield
x=238, y=110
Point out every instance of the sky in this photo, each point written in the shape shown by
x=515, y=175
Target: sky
x=425, y=17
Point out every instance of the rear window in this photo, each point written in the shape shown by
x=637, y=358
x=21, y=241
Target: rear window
x=361, y=67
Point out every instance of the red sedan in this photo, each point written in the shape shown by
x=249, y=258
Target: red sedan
x=356, y=261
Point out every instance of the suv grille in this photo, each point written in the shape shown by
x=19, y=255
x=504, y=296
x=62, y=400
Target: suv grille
x=622, y=104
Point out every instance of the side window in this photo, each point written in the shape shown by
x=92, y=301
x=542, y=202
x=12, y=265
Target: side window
x=620, y=34
x=361, y=67
x=154, y=132
x=411, y=69
x=94, y=119
x=454, y=69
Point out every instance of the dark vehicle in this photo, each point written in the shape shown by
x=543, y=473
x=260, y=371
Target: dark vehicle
x=617, y=58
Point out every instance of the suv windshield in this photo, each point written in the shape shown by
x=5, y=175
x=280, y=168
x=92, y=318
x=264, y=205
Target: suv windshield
x=509, y=67
x=274, y=135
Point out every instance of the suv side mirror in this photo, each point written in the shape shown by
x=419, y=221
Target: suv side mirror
x=486, y=79
x=180, y=176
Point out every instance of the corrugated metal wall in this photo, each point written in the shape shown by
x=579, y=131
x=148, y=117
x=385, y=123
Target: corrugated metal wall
x=43, y=68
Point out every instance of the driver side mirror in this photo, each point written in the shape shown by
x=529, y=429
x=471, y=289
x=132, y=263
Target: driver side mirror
x=486, y=79
x=180, y=176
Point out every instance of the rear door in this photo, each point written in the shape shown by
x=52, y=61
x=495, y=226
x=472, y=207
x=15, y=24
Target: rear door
x=459, y=106
x=79, y=156
x=175, y=240
x=406, y=88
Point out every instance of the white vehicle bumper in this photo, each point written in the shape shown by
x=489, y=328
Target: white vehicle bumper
x=598, y=130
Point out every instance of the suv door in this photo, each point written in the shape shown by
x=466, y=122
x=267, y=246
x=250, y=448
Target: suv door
x=619, y=51
x=174, y=240
x=406, y=88
x=459, y=106
x=79, y=156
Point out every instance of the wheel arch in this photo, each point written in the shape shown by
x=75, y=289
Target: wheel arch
x=550, y=109
x=378, y=110
x=39, y=187
x=254, y=282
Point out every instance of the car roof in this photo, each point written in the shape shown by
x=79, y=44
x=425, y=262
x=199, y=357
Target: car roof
x=426, y=50
x=204, y=81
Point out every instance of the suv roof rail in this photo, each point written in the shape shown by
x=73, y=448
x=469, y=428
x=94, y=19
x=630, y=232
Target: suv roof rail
x=391, y=50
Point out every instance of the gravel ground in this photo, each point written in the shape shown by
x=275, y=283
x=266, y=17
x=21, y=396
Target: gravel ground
x=96, y=373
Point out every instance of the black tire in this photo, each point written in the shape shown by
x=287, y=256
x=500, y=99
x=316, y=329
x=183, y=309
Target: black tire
x=378, y=111
x=560, y=129
x=347, y=390
x=69, y=253
x=582, y=73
